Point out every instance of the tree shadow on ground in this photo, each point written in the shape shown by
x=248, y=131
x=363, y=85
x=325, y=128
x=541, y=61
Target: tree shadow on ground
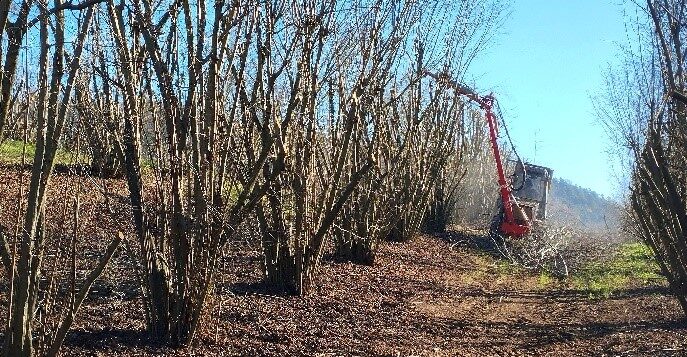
x=640, y=291
x=102, y=289
x=560, y=295
x=106, y=339
x=523, y=334
x=473, y=240
x=254, y=288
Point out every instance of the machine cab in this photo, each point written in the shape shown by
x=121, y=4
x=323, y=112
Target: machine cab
x=531, y=185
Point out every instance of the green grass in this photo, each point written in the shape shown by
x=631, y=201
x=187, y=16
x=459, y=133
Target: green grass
x=505, y=267
x=11, y=153
x=546, y=279
x=633, y=263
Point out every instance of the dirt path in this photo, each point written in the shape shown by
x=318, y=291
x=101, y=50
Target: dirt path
x=485, y=310
x=425, y=298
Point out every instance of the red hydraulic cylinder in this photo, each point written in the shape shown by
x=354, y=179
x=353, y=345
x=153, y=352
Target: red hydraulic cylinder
x=509, y=226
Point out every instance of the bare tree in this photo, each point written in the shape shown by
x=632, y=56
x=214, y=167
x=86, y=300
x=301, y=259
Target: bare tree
x=334, y=154
x=658, y=195
x=15, y=31
x=474, y=199
x=313, y=117
x=350, y=131
x=645, y=111
x=96, y=105
x=210, y=121
x=25, y=261
x=419, y=133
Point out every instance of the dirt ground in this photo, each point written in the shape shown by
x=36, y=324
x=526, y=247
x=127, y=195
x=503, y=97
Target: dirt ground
x=433, y=296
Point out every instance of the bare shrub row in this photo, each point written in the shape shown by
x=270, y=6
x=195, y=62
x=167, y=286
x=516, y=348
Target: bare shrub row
x=312, y=118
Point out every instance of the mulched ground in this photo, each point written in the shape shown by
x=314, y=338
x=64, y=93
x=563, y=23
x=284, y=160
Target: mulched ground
x=429, y=297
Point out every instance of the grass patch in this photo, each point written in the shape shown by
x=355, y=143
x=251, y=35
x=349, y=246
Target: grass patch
x=505, y=267
x=634, y=262
x=545, y=279
x=11, y=153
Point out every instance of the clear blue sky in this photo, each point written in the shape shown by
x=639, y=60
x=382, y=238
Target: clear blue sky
x=547, y=61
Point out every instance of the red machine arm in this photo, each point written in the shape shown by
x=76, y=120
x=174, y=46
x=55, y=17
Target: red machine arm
x=509, y=226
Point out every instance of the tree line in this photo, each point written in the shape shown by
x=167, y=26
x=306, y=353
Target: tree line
x=311, y=119
x=644, y=110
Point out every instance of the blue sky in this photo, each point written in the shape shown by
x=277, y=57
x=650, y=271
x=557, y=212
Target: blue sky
x=544, y=66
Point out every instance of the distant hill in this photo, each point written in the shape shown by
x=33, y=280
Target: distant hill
x=579, y=207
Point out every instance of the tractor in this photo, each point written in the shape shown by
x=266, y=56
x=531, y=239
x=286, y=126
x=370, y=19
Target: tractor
x=523, y=198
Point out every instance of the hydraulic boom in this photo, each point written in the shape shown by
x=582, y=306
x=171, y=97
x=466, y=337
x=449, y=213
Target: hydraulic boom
x=515, y=223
